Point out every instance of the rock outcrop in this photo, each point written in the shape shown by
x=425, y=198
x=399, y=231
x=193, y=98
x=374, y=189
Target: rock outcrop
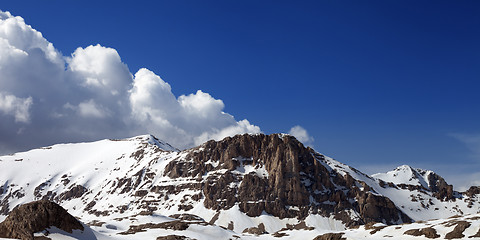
x=279, y=175
x=27, y=219
x=440, y=188
x=472, y=191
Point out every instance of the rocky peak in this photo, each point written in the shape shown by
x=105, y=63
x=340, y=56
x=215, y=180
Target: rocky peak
x=27, y=219
x=279, y=175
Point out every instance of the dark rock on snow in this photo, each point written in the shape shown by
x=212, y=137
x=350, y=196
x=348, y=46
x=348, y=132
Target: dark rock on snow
x=27, y=219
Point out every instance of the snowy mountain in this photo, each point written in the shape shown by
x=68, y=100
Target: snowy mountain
x=246, y=186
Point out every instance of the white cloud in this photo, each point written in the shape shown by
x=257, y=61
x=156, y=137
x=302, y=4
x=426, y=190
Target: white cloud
x=301, y=134
x=100, y=69
x=186, y=121
x=243, y=126
x=17, y=107
x=91, y=109
x=92, y=95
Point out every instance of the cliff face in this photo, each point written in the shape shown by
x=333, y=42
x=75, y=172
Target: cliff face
x=278, y=175
x=25, y=220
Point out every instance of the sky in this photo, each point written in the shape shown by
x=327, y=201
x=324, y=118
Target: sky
x=373, y=84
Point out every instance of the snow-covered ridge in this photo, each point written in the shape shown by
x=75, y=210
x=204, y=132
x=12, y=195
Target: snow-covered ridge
x=406, y=175
x=149, y=138
x=112, y=185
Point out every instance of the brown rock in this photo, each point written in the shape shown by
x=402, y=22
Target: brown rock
x=457, y=232
x=473, y=190
x=256, y=230
x=174, y=237
x=427, y=232
x=295, y=184
x=374, y=208
x=440, y=188
x=187, y=217
x=75, y=192
x=413, y=232
x=230, y=226
x=330, y=236
x=37, y=216
x=430, y=232
x=173, y=225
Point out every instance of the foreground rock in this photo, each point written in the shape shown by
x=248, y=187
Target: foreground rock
x=25, y=220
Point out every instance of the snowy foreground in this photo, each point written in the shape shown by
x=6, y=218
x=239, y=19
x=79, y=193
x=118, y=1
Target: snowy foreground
x=120, y=189
x=443, y=228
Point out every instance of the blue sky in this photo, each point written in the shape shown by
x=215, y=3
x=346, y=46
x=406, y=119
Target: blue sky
x=376, y=83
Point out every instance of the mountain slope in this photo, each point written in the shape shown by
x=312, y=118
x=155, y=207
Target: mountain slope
x=243, y=183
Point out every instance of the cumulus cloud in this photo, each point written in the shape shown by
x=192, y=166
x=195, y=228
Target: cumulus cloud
x=302, y=135
x=47, y=98
x=17, y=107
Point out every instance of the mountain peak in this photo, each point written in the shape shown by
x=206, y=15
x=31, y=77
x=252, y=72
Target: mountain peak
x=244, y=182
x=151, y=139
x=405, y=175
x=276, y=174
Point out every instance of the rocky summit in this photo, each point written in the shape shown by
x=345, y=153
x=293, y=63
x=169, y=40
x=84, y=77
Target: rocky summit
x=245, y=186
x=276, y=174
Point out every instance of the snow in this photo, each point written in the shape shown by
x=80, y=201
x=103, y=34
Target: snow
x=243, y=168
x=406, y=175
x=100, y=167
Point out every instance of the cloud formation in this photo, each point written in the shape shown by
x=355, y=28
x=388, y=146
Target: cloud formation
x=17, y=107
x=302, y=135
x=47, y=98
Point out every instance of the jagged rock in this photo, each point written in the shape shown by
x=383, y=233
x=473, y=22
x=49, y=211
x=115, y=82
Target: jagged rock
x=293, y=178
x=440, y=188
x=473, y=190
x=24, y=220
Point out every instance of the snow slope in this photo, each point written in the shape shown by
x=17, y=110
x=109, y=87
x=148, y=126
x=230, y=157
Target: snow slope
x=114, y=185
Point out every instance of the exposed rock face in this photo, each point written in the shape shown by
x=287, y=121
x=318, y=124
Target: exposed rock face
x=27, y=219
x=440, y=188
x=374, y=208
x=473, y=190
x=278, y=175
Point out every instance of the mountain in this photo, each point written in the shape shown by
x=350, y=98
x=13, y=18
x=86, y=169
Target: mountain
x=241, y=186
